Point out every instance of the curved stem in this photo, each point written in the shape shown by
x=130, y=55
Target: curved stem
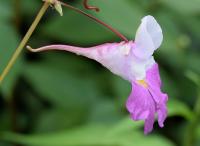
x=97, y=20
x=85, y=3
x=24, y=41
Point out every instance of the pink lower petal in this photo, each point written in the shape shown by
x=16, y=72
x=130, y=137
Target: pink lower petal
x=141, y=106
x=154, y=82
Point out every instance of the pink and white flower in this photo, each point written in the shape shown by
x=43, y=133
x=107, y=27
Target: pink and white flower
x=134, y=62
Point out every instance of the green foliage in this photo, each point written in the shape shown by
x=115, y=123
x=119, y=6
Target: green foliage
x=178, y=108
x=61, y=99
x=183, y=6
x=76, y=34
x=9, y=39
x=89, y=135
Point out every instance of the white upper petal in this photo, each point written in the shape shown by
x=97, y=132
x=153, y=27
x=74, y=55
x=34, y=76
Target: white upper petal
x=148, y=37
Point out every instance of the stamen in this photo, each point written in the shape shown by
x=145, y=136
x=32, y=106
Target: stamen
x=97, y=20
x=85, y=3
x=142, y=83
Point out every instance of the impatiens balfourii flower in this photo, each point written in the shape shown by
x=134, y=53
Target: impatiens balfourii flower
x=134, y=62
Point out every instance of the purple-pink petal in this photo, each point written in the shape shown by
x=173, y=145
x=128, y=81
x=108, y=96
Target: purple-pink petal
x=153, y=75
x=154, y=82
x=144, y=102
x=141, y=106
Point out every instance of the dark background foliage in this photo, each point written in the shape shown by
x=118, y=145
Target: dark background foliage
x=60, y=99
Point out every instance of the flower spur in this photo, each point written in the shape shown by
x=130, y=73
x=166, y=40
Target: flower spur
x=134, y=62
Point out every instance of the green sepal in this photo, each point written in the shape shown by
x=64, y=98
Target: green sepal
x=58, y=8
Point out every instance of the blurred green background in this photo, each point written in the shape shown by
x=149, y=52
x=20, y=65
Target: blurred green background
x=60, y=99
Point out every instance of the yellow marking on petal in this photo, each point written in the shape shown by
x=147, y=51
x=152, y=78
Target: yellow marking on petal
x=142, y=83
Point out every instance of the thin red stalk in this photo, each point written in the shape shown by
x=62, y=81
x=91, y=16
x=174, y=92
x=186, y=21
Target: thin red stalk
x=97, y=20
x=85, y=3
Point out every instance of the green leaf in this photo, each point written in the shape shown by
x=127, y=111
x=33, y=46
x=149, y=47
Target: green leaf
x=177, y=108
x=125, y=125
x=105, y=111
x=59, y=85
x=88, y=135
x=195, y=78
x=183, y=6
x=9, y=40
x=57, y=119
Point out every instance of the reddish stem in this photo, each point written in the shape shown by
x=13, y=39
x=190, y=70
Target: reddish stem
x=85, y=3
x=97, y=20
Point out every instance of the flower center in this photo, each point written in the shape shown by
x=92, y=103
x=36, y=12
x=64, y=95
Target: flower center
x=142, y=83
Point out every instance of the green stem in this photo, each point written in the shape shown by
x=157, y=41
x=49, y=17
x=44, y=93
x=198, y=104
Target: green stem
x=193, y=126
x=24, y=41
